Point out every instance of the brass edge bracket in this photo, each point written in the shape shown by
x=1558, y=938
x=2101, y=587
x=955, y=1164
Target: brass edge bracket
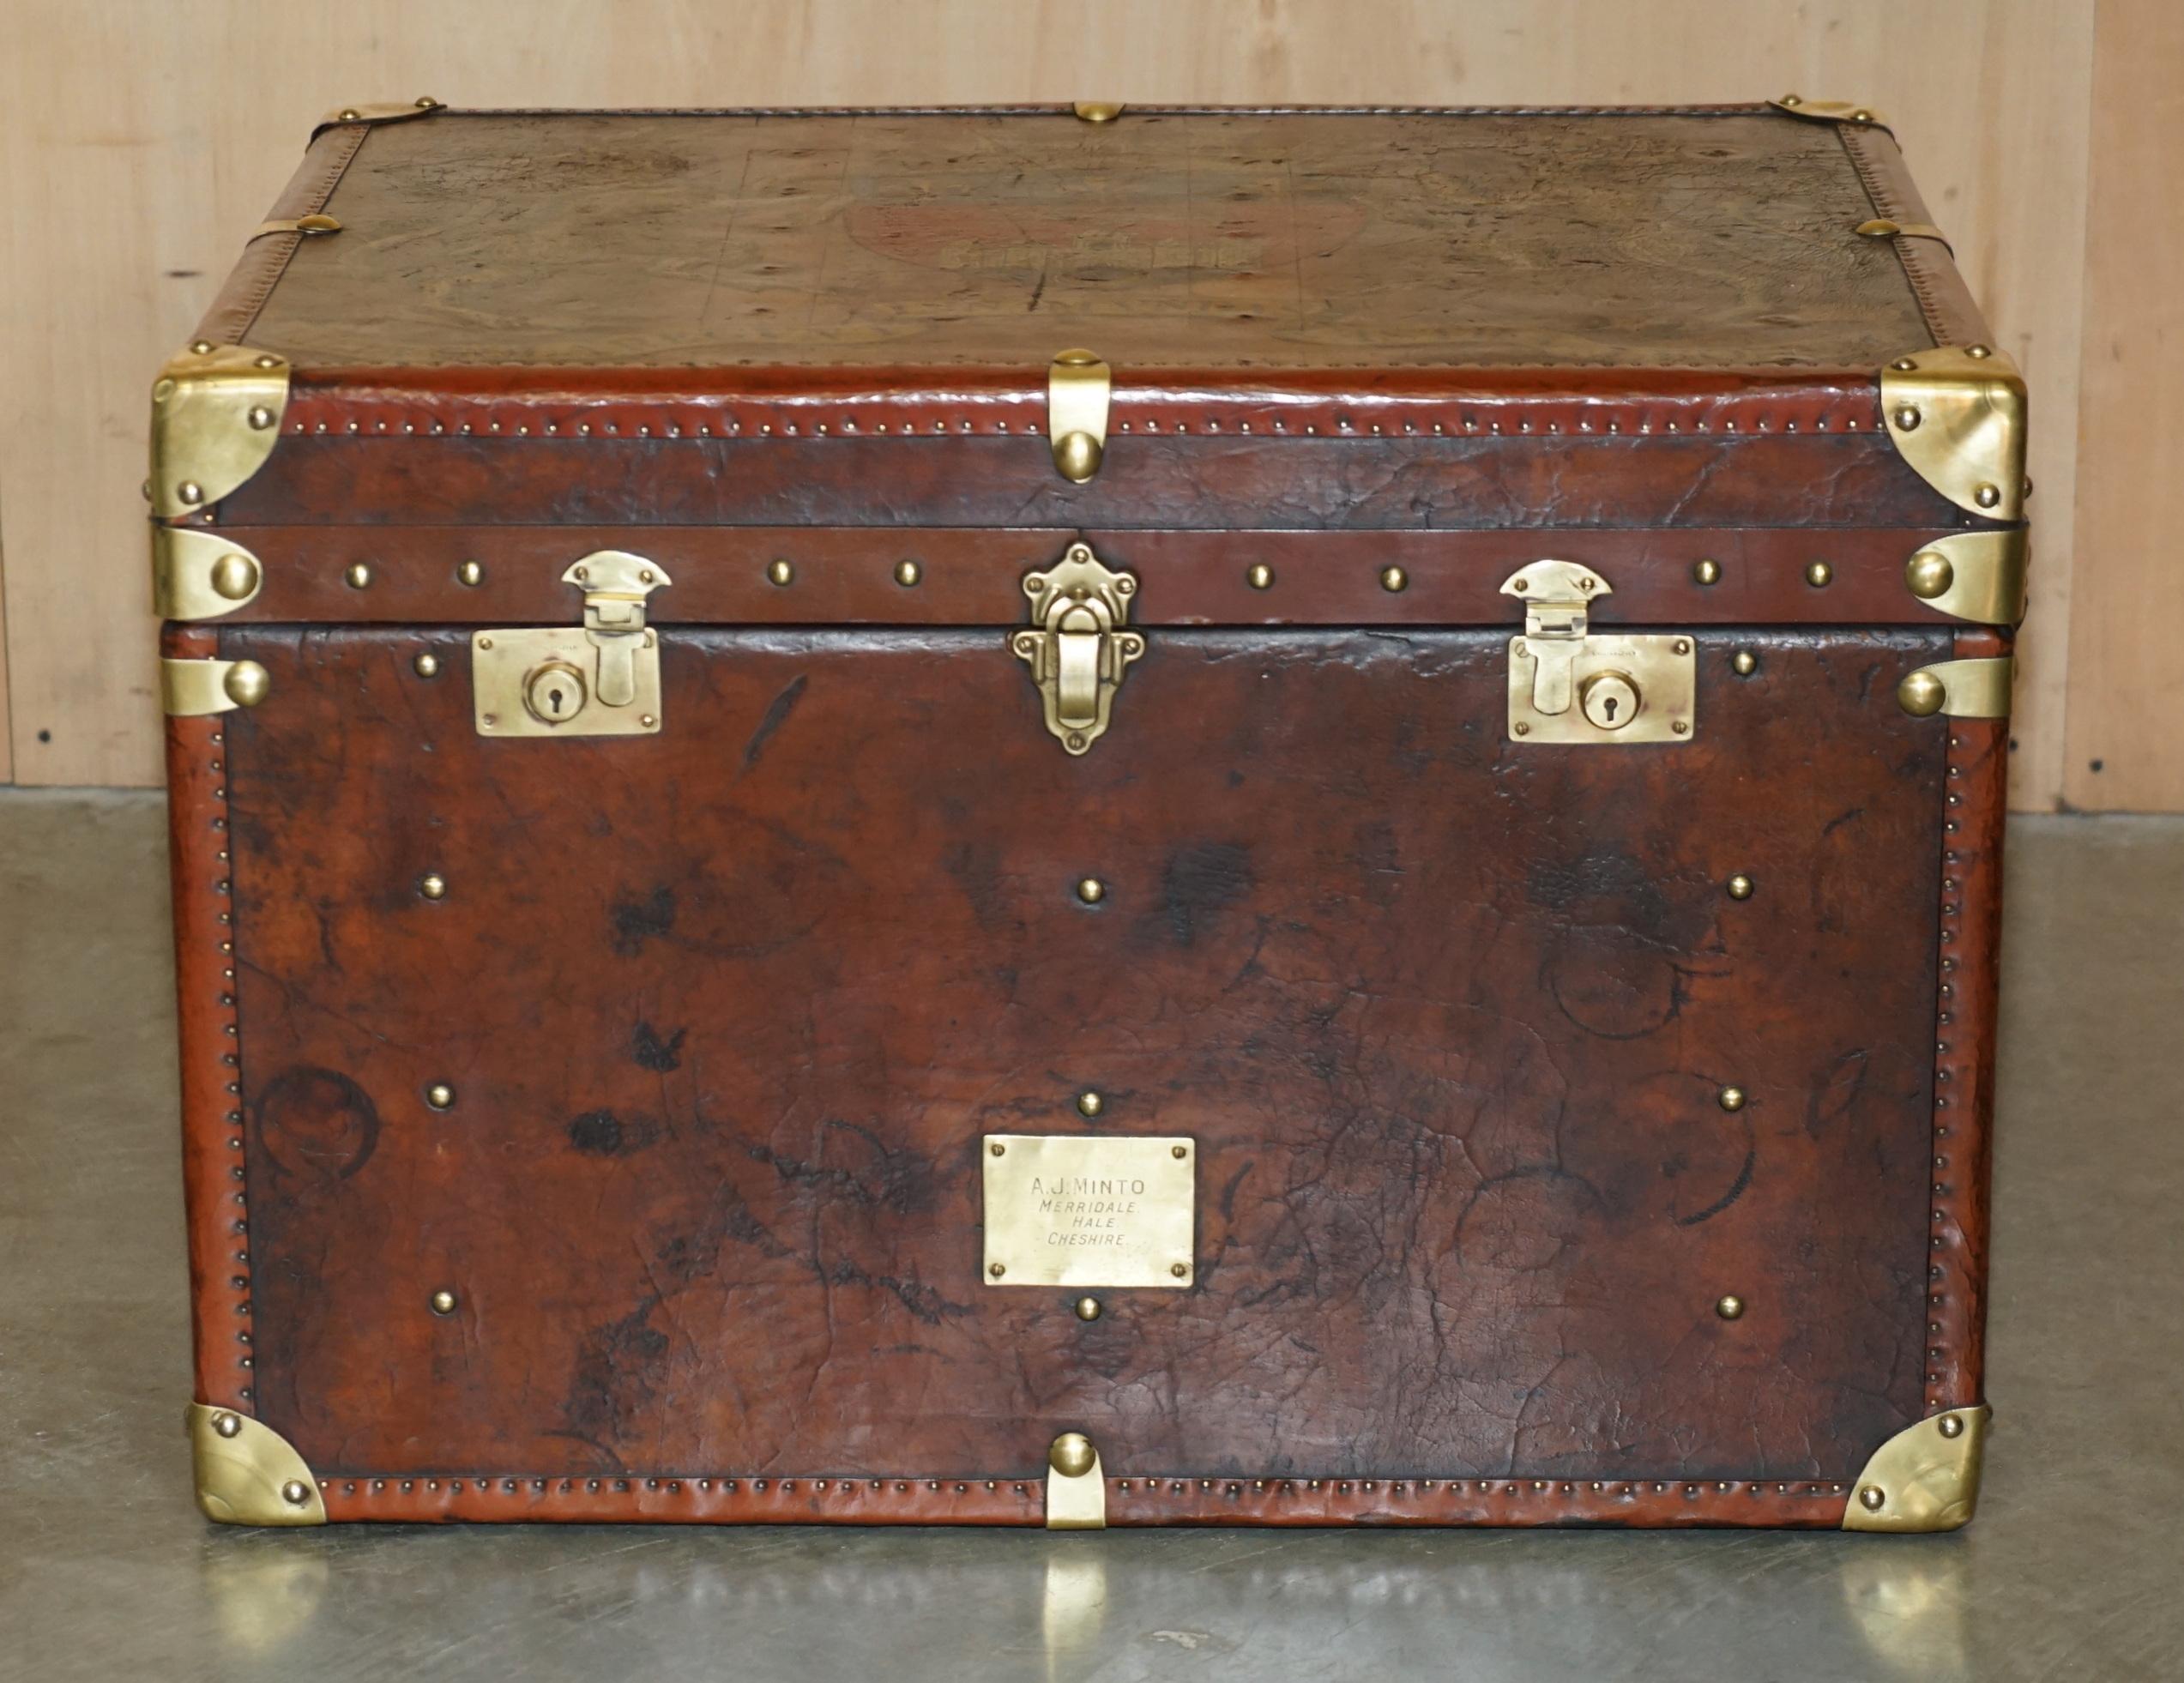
x=246, y=1473
x=1831, y=110
x=190, y=689
x=199, y=573
x=1569, y=684
x=1079, y=647
x=318, y=224
x=1882, y=228
x=1077, y=1488
x=1978, y=575
x=1960, y=689
x=1097, y=111
x=1925, y=1478
x=215, y=418
x=1958, y=416
x=599, y=678
x=394, y=111
x=1079, y=385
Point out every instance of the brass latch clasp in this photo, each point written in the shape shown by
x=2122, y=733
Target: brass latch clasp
x=1078, y=647
x=1568, y=684
x=599, y=679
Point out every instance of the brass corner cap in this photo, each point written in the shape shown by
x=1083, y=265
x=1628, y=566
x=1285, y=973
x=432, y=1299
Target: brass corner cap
x=215, y=418
x=1925, y=1478
x=1957, y=414
x=1831, y=110
x=394, y=111
x=247, y=1474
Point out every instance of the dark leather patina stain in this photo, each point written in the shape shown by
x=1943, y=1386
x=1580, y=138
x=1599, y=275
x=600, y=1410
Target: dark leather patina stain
x=656, y=1052
x=636, y=922
x=316, y=1125
x=1199, y=881
x=602, y=1133
x=775, y=716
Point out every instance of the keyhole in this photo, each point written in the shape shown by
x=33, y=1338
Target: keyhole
x=553, y=700
x=1611, y=704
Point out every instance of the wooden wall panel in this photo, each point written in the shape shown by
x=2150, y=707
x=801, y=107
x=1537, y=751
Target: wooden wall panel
x=2125, y=753
x=139, y=138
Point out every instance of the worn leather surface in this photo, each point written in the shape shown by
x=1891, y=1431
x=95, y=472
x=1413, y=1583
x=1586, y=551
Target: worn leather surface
x=1240, y=239
x=728, y=1009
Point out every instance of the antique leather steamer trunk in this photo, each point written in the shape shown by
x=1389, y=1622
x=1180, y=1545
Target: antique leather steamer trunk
x=1129, y=815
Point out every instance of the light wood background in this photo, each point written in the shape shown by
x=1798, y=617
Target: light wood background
x=140, y=139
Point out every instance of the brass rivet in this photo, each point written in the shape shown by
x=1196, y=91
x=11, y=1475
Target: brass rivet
x=1179, y=1270
x=1076, y=359
x=1179, y=1151
x=428, y=103
x=444, y=1301
x=646, y=719
x=1707, y=572
x=1680, y=646
x=260, y=418
x=1907, y=418
x=432, y=886
x=470, y=573
x=190, y=492
x=907, y=573
x=1091, y=890
x=1987, y=496
x=1745, y=662
x=1861, y=117
x=1904, y=364
x=358, y=575
x=1090, y=1103
x=1922, y=694
x=235, y=577
x=996, y=1270
x=267, y=362
x=1819, y=575
x=1740, y=886
x=1929, y=574
x=1087, y=1308
x=1978, y=351
x=1873, y=1499
x=1731, y=1098
x=227, y=1425
x=1259, y=576
x=997, y=1149
x=202, y=347
x=1077, y=455
x=1394, y=578
x=1730, y=1307
x=440, y=1095
x=1520, y=728
x=781, y=573
x=427, y=665
x=295, y=1492
x=1680, y=726
x=1071, y=1454
x=1097, y=110
x=247, y=684
x=1952, y=1426
x=351, y=115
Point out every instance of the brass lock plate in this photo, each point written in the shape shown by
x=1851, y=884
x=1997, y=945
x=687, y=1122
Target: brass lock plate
x=1083, y=1209
x=543, y=681
x=1623, y=689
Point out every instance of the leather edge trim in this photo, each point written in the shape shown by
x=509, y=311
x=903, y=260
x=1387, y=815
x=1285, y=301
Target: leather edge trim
x=235, y=309
x=1975, y=810
x=209, y=1035
x=1952, y=316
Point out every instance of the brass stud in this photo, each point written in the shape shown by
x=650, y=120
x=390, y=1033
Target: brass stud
x=1394, y=578
x=227, y=1425
x=1179, y=1270
x=1087, y=1308
x=996, y=1270
x=1730, y=1307
x=1820, y=575
x=1097, y=111
x=190, y=492
x=781, y=572
x=1707, y=572
x=432, y=886
x=247, y=684
x=426, y=102
x=1090, y=1103
x=1978, y=352
x=1740, y=886
x=1922, y=694
x=235, y=577
x=440, y=1095
x=1259, y=576
x=470, y=573
x=260, y=418
x=997, y=1149
x=444, y=1301
x=1987, y=496
x=1873, y=1499
x=1078, y=457
x=350, y=114
x=1929, y=574
x=1952, y=1426
x=295, y=1492
x=1091, y=890
x=1791, y=99
x=203, y=347
x=1179, y=1151
x=1904, y=364
x=1907, y=418
x=907, y=573
x=1744, y=662
x=358, y=575
x=426, y=664
x=1071, y=1454
x=1730, y=1098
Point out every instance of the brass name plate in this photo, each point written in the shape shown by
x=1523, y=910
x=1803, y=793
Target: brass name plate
x=1084, y=1210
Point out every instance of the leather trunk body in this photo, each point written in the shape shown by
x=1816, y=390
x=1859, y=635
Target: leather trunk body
x=1535, y=1176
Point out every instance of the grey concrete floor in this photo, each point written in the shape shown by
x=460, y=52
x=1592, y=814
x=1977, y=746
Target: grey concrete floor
x=2074, y=1568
